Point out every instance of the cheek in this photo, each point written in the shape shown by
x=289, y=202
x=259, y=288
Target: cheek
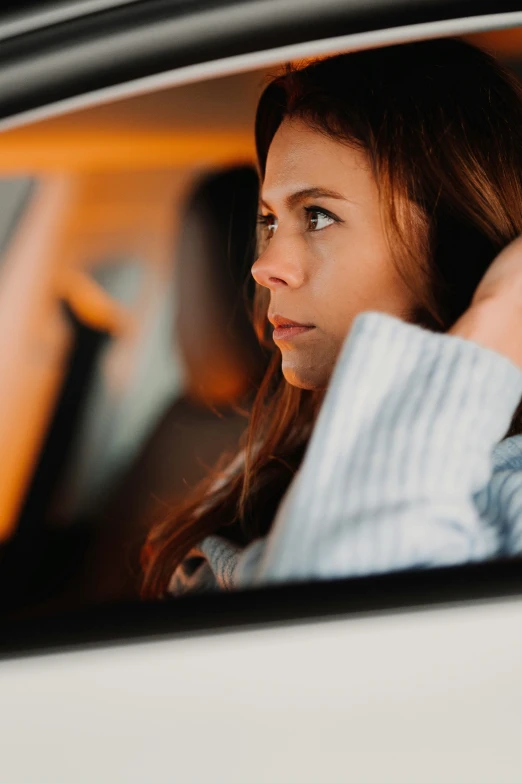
x=352, y=276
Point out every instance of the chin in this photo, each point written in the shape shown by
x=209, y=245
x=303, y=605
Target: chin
x=304, y=380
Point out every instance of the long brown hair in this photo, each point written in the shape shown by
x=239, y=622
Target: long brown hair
x=441, y=124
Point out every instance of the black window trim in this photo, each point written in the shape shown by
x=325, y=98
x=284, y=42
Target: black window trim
x=37, y=15
x=413, y=591
x=151, y=44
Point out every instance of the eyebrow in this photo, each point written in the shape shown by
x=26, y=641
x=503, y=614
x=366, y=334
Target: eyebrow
x=294, y=199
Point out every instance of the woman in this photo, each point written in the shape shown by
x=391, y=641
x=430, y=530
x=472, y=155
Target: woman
x=391, y=181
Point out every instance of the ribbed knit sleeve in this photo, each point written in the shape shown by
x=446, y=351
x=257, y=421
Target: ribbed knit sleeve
x=403, y=443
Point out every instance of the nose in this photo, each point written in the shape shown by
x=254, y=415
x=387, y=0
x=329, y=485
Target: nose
x=277, y=268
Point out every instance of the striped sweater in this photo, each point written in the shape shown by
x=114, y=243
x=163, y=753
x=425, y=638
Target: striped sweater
x=406, y=467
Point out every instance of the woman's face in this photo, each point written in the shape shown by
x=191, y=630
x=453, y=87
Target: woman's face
x=325, y=257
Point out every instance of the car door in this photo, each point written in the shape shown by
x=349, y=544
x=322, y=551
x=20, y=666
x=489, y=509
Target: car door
x=403, y=677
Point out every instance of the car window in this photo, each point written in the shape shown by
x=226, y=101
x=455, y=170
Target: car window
x=107, y=402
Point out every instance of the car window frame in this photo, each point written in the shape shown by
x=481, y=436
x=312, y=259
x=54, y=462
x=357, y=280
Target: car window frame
x=16, y=20
x=404, y=591
x=147, y=45
x=272, y=606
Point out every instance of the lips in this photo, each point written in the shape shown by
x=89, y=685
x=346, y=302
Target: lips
x=286, y=328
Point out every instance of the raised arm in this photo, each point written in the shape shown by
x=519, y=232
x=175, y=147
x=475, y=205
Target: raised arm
x=402, y=444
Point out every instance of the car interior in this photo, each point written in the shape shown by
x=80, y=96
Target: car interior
x=128, y=359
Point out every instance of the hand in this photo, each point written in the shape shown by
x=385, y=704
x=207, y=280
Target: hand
x=494, y=318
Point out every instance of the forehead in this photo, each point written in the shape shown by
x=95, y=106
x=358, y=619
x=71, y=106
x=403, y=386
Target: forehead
x=301, y=157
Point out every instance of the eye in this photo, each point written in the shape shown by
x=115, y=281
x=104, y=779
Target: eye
x=267, y=225
x=318, y=219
